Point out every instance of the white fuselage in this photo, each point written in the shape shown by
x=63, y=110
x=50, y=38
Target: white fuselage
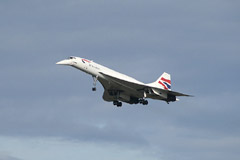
x=94, y=69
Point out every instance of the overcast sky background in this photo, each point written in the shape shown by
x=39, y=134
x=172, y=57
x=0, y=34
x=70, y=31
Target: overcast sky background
x=49, y=111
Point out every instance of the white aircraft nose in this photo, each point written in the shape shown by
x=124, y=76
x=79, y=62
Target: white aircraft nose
x=64, y=62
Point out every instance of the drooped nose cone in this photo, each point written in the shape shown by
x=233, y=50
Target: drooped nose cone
x=65, y=62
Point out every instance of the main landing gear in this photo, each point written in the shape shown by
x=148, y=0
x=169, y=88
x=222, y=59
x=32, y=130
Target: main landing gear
x=143, y=101
x=94, y=83
x=118, y=104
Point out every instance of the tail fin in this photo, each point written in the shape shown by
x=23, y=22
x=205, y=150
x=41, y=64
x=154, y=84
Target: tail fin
x=164, y=81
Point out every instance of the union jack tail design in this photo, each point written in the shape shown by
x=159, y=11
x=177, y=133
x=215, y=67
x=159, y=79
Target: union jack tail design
x=164, y=81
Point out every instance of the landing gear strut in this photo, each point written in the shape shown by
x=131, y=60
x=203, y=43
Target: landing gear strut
x=118, y=104
x=94, y=83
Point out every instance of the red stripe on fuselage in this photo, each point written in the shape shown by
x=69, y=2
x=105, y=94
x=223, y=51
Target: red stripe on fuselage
x=166, y=80
x=163, y=85
x=86, y=60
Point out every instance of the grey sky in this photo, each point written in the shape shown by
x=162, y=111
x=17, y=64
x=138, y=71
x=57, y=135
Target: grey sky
x=49, y=111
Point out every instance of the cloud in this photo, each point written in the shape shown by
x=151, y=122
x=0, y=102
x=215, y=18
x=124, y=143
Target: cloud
x=191, y=126
x=7, y=157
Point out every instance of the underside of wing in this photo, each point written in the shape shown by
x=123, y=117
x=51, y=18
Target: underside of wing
x=122, y=84
x=131, y=91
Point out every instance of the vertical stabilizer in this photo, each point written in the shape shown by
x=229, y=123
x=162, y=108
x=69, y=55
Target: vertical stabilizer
x=163, y=82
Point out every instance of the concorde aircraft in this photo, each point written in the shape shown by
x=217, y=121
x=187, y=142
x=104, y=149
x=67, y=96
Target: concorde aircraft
x=120, y=88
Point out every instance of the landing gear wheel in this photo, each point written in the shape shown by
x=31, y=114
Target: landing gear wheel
x=118, y=104
x=115, y=103
x=145, y=102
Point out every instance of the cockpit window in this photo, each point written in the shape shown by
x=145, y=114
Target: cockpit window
x=72, y=57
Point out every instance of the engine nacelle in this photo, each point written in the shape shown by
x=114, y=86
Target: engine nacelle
x=124, y=97
x=112, y=95
x=171, y=98
x=128, y=99
x=107, y=97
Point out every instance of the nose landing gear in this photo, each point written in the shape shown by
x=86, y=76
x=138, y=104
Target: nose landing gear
x=94, y=83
